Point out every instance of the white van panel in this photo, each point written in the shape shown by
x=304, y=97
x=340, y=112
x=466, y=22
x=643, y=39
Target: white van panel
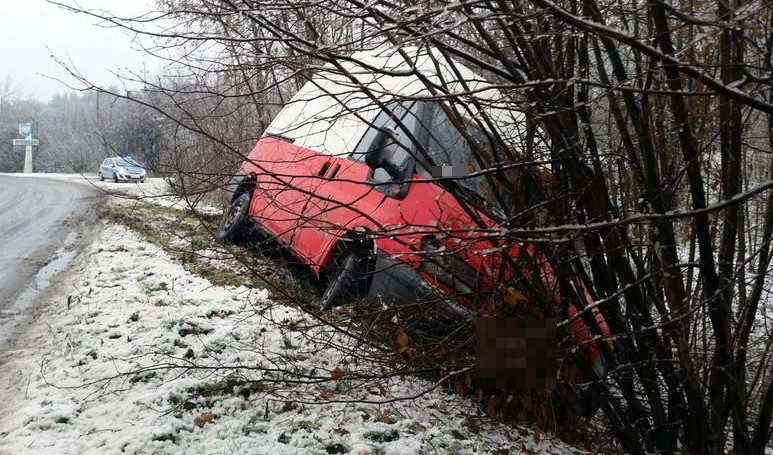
x=332, y=111
x=326, y=115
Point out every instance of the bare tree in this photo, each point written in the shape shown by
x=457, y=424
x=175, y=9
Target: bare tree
x=642, y=171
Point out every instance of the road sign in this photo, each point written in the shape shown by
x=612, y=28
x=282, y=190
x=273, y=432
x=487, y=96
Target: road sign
x=26, y=142
x=25, y=130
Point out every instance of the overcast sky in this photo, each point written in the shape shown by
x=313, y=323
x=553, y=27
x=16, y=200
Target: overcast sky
x=33, y=30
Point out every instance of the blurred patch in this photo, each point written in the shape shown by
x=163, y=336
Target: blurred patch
x=449, y=171
x=516, y=353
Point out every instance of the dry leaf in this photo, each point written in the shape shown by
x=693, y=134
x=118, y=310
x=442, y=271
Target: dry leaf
x=203, y=419
x=513, y=296
x=402, y=342
x=460, y=388
x=326, y=394
x=336, y=374
x=385, y=416
x=471, y=424
x=408, y=352
x=491, y=407
x=537, y=435
x=402, y=339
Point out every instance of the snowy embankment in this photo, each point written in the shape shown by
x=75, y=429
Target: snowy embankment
x=133, y=354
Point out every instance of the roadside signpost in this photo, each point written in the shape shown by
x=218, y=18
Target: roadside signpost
x=25, y=131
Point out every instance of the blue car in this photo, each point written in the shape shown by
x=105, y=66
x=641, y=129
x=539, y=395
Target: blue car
x=121, y=170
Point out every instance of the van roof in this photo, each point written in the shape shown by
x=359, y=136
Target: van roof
x=414, y=72
x=332, y=111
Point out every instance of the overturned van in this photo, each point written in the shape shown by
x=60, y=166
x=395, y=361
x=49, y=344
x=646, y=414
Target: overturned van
x=377, y=174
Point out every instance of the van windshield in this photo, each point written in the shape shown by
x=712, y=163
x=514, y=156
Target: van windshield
x=465, y=162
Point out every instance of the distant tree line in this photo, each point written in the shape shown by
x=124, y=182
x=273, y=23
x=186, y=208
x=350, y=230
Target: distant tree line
x=78, y=129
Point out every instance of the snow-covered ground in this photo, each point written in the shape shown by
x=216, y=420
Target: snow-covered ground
x=132, y=354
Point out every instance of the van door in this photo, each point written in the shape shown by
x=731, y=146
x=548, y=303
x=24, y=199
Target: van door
x=347, y=193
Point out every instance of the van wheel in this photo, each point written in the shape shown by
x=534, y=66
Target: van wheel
x=348, y=280
x=235, y=224
x=115, y=177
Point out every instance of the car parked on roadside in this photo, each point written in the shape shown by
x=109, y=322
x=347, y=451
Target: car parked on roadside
x=375, y=182
x=121, y=169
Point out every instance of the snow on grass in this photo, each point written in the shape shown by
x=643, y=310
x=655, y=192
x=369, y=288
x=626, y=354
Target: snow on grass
x=145, y=358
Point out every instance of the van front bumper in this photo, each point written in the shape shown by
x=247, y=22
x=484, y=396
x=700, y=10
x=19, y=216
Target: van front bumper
x=396, y=283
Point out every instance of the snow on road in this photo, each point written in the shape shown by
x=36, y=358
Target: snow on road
x=129, y=353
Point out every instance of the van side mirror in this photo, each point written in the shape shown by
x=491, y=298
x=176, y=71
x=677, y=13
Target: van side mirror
x=382, y=151
x=375, y=156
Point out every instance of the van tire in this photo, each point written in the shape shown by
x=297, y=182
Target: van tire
x=235, y=225
x=347, y=280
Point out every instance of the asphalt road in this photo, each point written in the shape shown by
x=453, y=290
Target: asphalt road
x=43, y=225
